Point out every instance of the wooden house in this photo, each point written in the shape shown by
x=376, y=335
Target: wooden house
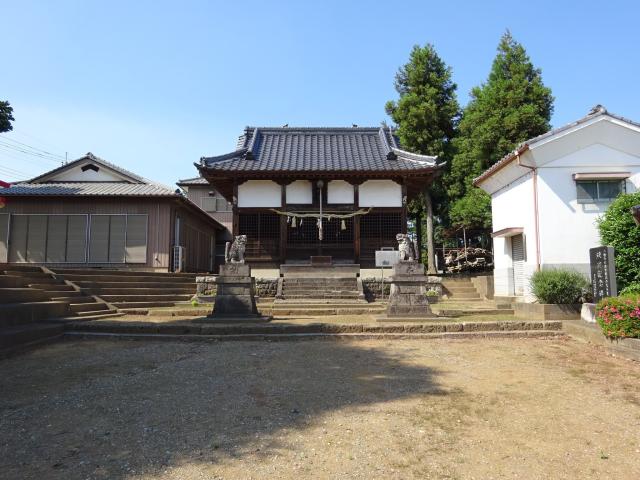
x=92, y=213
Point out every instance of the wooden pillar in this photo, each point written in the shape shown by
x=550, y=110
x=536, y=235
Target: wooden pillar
x=283, y=224
x=403, y=212
x=236, y=217
x=356, y=225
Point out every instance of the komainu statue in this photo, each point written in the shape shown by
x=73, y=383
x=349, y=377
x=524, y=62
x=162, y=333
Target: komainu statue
x=234, y=252
x=407, y=249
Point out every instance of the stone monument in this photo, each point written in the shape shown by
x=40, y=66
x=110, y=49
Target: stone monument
x=235, y=287
x=408, y=297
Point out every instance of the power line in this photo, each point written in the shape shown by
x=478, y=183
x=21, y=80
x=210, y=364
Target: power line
x=32, y=147
x=32, y=153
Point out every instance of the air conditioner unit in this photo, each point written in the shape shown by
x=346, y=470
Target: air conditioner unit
x=179, y=258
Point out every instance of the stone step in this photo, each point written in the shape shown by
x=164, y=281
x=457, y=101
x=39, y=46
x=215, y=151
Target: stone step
x=188, y=290
x=97, y=278
x=296, y=291
x=22, y=268
x=463, y=296
x=277, y=328
x=60, y=293
x=100, y=314
x=454, y=290
x=162, y=285
x=31, y=312
x=122, y=273
x=88, y=307
x=27, y=273
x=305, y=311
x=53, y=287
x=93, y=313
x=42, y=280
x=15, y=338
x=138, y=305
x=317, y=295
x=460, y=312
x=248, y=337
x=75, y=299
x=169, y=297
x=20, y=295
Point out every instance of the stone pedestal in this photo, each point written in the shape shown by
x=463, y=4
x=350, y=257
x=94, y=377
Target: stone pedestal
x=235, y=295
x=408, y=291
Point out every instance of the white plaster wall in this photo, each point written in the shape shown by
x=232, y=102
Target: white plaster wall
x=567, y=228
x=512, y=207
x=300, y=192
x=380, y=193
x=339, y=191
x=259, y=193
x=77, y=175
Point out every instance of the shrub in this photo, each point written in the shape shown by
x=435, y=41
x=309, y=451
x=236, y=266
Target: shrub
x=618, y=230
x=632, y=288
x=559, y=286
x=619, y=317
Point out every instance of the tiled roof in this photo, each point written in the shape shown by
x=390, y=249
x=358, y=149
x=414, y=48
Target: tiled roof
x=595, y=112
x=294, y=149
x=193, y=181
x=88, y=189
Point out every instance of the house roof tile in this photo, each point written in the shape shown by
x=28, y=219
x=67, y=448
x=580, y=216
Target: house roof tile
x=313, y=149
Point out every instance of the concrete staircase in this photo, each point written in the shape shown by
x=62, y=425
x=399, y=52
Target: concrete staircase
x=464, y=299
x=320, y=288
x=302, y=296
x=132, y=291
x=43, y=283
x=460, y=289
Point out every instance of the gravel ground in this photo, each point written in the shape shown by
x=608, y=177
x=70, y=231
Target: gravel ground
x=468, y=409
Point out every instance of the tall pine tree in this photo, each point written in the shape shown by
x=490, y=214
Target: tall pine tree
x=511, y=107
x=426, y=115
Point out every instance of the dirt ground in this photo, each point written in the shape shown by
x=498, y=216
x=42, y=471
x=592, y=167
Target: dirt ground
x=467, y=409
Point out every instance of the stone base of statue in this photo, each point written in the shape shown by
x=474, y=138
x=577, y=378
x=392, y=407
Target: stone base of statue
x=235, y=295
x=408, y=296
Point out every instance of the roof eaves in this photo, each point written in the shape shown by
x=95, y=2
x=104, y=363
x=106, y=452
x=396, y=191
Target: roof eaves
x=500, y=164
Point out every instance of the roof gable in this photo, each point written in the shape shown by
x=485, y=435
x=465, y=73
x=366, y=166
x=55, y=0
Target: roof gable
x=88, y=168
x=598, y=127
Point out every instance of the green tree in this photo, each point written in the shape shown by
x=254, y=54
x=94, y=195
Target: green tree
x=512, y=106
x=618, y=230
x=426, y=114
x=6, y=117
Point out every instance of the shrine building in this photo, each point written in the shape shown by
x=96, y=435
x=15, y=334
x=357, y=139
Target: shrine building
x=331, y=192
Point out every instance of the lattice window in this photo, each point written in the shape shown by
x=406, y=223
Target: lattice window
x=378, y=230
x=263, y=235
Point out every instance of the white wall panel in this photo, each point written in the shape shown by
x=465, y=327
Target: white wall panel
x=259, y=193
x=380, y=193
x=300, y=192
x=339, y=191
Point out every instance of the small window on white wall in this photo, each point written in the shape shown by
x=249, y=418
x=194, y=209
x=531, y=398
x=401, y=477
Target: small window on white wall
x=594, y=191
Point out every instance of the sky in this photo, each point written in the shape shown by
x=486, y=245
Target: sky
x=153, y=86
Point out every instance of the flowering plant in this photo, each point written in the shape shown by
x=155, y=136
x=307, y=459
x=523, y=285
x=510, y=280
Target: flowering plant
x=619, y=317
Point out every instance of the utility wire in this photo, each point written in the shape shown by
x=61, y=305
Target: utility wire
x=32, y=153
x=31, y=147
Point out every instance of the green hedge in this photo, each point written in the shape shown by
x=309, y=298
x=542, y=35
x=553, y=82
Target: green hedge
x=619, y=317
x=559, y=286
x=632, y=288
x=618, y=230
